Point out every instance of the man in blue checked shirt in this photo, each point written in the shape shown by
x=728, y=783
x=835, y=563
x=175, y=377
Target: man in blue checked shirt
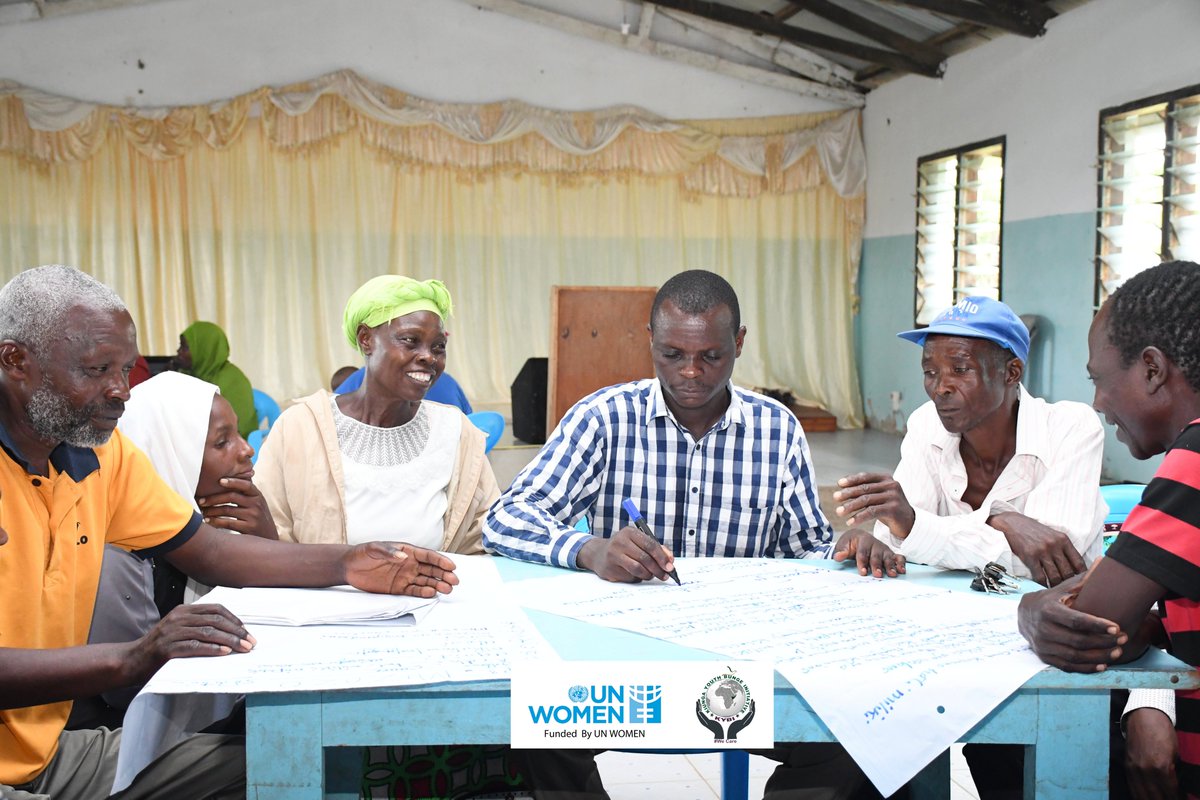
x=717, y=471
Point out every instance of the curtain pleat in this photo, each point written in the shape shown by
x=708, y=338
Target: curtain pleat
x=264, y=212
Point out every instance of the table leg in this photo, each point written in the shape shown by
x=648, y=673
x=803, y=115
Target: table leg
x=933, y=782
x=284, y=755
x=1070, y=761
x=735, y=775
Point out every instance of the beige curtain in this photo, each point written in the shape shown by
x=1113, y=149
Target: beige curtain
x=264, y=212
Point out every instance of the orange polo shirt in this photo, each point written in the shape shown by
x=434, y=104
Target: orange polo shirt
x=49, y=570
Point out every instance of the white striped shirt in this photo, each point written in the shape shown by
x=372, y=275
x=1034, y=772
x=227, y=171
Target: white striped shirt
x=1053, y=477
x=744, y=489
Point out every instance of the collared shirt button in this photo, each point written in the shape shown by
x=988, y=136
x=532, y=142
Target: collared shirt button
x=37, y=481
x=691, y=533
x=695, y=489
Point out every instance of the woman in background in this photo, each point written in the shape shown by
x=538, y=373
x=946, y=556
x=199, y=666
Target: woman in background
x=204, y=353
x=189, y=432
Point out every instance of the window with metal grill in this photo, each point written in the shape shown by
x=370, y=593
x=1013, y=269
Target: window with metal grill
x=960, y=200
x=1148, y=201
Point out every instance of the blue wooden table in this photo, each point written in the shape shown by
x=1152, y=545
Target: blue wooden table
x=1062, y=718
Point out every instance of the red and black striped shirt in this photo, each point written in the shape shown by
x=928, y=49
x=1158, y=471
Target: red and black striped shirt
x=1161, y=540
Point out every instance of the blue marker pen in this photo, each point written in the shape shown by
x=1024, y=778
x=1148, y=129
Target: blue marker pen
x=639, y=522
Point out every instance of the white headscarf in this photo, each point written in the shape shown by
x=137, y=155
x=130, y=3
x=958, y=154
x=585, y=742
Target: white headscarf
x=167, y=417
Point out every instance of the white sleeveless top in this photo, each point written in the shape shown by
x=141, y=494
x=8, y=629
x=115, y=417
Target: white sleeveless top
x=396, y=478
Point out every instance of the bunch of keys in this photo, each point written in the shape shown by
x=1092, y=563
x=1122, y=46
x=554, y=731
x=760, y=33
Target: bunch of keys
x=993, y=579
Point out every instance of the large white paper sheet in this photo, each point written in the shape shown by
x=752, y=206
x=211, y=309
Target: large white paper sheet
x=336, y=605
x=896, y=670
x=474, y=633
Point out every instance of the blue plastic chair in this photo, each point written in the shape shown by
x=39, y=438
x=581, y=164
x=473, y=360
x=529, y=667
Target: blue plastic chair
x=491, y=423
x=735, y=764
x=256, y=441
x=1121, y=498
x=266, y=408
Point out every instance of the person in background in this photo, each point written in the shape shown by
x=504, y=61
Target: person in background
x=339, y=377
x=140, y=372
x=1144, y=362
x=71, y=483
x=336, y=468
x=204, y=353
x=689, y=448
x=190, y=434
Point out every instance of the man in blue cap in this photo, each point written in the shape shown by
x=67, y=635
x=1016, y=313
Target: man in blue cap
x=987, y=473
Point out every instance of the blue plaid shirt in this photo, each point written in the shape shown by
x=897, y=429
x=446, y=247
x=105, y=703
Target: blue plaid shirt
x=744, y=489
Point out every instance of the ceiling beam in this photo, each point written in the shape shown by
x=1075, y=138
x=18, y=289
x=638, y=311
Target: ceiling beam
x=948, y=36
x=757, y=23
x=646, y=22
x=670, y=52
x=981, y=15
x=873, y=30
x=1029, y=11
x=788, y=11
x=771, y=49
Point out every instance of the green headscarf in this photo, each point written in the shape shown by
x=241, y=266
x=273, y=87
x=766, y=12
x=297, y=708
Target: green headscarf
x=210, y=362
x=386, y=297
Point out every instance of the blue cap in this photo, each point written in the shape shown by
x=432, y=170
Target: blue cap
x=978, y=318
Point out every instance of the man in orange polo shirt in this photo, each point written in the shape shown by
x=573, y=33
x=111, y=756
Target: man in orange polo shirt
x=69, y=483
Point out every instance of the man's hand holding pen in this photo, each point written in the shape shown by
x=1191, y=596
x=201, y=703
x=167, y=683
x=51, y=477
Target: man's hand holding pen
x=629, y=556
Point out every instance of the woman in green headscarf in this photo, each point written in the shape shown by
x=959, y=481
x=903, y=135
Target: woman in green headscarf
x=382, y=462
x=204, y=353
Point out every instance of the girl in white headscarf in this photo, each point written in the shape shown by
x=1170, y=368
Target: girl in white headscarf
x=190, y=433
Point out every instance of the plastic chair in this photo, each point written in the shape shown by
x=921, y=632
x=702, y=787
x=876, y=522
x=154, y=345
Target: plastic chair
x=735, y=764
x=266, y=408
x=256, y=441
x=491, y=423
x=1121, y=498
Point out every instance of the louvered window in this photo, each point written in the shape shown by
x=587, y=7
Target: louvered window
x=1148, y=199
x=959, y=218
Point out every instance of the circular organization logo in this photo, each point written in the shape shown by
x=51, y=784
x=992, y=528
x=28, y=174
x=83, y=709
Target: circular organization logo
x=725, y=697
x=578, y=694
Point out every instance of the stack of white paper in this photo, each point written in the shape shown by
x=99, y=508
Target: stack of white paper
x=337, y=605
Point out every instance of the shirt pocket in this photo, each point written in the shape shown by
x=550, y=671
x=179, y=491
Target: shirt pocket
x=741, y=530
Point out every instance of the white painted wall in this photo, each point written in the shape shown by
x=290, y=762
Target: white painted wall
x=196, y=51
x=1044, y=94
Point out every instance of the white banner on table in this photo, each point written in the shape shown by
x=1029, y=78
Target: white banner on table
x=335, y=605
x=474, y=633
x=323, y=657
x=897, y=671
x=643, y=704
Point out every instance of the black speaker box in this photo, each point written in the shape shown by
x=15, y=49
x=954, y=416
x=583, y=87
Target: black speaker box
x=529, y=401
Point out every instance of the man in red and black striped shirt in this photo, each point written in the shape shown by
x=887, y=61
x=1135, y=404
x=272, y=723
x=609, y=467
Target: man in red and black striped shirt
x=1144, y=360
